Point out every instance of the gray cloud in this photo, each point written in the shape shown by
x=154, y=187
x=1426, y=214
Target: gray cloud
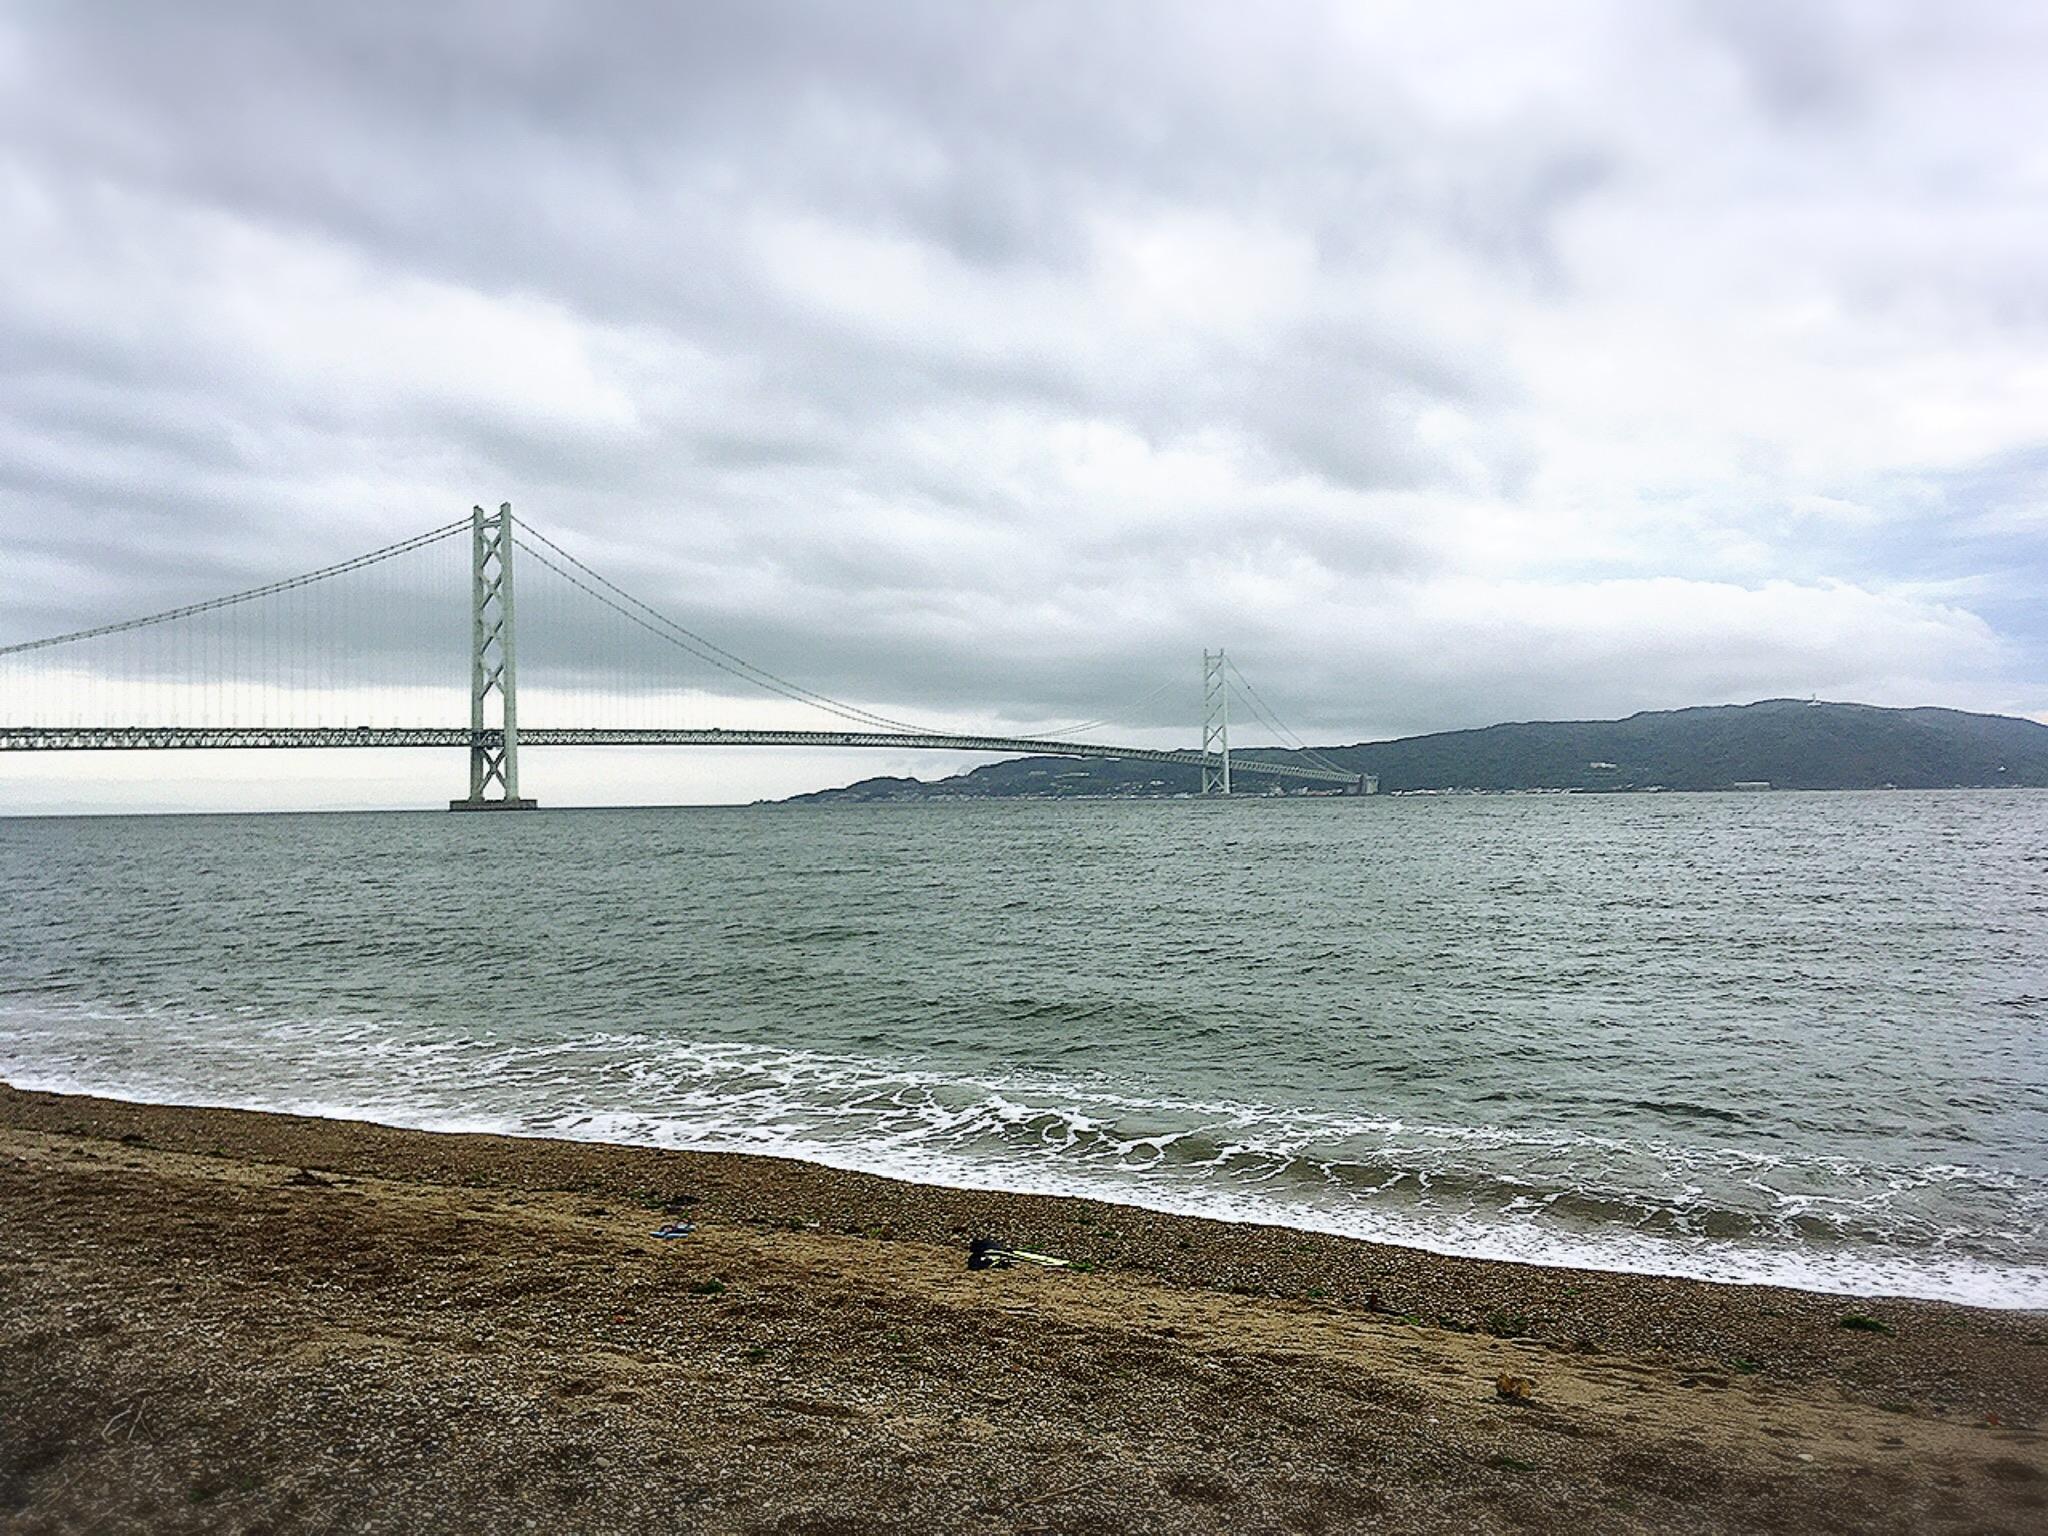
x=1797, y=60
x=986, y=362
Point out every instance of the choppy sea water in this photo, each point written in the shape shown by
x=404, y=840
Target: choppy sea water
x=1788, y=1038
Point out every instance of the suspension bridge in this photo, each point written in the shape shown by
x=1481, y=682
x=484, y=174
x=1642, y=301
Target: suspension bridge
x=366, y=653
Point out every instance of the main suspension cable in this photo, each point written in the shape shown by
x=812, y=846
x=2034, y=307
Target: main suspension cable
x=1129, y=710
x=1266, y=711
x=663, y=627
x=389, y=551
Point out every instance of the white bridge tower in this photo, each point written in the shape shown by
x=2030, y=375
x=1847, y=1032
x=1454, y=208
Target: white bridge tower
x=1215, y=726
x=493, y=669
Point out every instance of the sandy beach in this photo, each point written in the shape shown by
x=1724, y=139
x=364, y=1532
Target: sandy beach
x=225, y=1321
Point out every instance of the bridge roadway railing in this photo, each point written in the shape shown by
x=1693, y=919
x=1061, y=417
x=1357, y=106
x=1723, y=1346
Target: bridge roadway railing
x=153, y=738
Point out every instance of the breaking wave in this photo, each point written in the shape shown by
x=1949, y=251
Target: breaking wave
x=1562, y=1196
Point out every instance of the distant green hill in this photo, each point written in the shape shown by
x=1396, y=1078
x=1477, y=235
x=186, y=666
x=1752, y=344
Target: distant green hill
x=1783, y=743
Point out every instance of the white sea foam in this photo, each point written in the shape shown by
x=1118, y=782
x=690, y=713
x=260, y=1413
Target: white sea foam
x=1543, y=1196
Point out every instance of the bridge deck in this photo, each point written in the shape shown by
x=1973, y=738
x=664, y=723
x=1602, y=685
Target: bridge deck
x=155, y=738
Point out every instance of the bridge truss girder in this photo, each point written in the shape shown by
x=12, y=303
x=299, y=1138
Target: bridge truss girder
x=158, y=738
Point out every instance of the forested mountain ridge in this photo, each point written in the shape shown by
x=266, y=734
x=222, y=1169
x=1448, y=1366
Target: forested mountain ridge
x=1782, y=743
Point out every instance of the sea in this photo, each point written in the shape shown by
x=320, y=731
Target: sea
x=1779, y=1038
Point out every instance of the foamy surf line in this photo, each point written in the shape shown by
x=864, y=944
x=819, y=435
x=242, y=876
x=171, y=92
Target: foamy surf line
x=1964, y=1282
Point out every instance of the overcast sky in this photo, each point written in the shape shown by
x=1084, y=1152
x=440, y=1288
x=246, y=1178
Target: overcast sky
x=983, y=363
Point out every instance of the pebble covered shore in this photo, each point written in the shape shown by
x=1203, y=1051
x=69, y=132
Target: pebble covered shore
x=218, y=1320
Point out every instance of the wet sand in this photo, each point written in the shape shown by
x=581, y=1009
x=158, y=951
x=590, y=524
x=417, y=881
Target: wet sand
x=220, y=1321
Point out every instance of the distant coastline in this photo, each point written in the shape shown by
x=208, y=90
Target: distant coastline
x=1769, y=745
